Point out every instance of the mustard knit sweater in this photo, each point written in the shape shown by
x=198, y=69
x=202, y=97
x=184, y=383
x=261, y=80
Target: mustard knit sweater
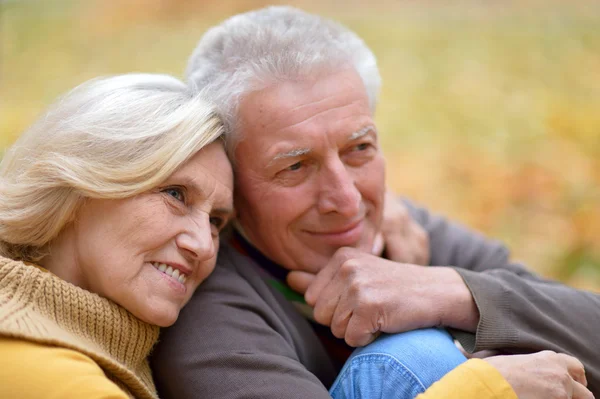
x=36, y=306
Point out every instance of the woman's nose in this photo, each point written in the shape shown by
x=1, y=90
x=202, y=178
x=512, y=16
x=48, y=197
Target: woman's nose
x=196, y=239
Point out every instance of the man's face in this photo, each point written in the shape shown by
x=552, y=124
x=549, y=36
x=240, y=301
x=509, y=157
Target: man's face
x=309, y=175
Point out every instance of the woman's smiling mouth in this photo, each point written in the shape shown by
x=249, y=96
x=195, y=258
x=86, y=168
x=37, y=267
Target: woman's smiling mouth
x=175, y=273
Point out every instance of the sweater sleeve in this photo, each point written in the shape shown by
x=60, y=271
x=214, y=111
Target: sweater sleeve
x=520, y=312
x=475, y=379
x=31, y=371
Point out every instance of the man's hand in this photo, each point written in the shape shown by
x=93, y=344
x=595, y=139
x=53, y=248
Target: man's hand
x=404, y=239
x=360, y=295
x=546, y=374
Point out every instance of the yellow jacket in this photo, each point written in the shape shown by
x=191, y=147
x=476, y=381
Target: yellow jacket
x=60, y=341
x=474, y=379
x=29, y=370
x=25, y=373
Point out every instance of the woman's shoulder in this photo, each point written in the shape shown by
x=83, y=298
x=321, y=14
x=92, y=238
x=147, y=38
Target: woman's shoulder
x=31, y=370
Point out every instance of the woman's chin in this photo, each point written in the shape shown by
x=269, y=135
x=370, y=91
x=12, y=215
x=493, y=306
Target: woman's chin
x=163, y=319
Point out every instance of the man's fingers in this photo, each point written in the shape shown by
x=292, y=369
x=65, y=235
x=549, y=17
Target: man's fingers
x=359, y=331
x=328, y=300
x=575, y=368
x=325, y=308
x=313, y=292
x=299, y=281
x=339, y=322
x=581, y=392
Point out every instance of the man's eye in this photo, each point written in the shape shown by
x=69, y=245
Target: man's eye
x=295, y=166
x=217, y=221
x=175, y=192
x=361, y=146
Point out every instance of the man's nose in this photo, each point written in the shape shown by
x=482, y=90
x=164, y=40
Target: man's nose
x=338, y=191
x=196, y=239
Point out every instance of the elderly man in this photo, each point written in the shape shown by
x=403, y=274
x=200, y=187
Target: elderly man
x=297, y=94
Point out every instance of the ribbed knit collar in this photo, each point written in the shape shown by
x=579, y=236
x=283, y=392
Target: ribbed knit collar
x=38, y=306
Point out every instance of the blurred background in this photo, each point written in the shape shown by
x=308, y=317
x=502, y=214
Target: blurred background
x=490, y=111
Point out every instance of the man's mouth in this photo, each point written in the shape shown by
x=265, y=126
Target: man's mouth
x=346, y=235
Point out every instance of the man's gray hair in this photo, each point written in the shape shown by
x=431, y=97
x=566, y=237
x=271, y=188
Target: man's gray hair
x=251, y=51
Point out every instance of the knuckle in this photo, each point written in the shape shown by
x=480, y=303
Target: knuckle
x=349, y=268
x=362, y=297
x=354, y=290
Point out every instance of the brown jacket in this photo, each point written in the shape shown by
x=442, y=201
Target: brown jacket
x=239, y=338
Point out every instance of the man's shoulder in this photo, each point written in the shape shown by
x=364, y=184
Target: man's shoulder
x=235, y=274
x=237, y=328
x=237, y=294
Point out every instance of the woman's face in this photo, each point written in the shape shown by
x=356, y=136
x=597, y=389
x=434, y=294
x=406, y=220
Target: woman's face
x=150, y=252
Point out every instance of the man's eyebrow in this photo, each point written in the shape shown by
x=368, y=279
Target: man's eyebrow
x=303, y=151
x=291, y=154
x=362, y=132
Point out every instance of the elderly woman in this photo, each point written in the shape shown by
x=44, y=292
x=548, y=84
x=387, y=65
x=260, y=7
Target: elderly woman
x=110, y=212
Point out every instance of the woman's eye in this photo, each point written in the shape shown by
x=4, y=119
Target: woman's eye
x=176, y=193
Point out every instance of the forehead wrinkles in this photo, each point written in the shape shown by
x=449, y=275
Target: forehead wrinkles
x=291, y=103
x=347, y=111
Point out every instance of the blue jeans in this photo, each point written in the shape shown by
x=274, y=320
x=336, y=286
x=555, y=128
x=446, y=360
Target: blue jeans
x=398, y=366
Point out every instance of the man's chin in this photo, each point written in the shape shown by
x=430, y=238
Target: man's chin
x=312, y=260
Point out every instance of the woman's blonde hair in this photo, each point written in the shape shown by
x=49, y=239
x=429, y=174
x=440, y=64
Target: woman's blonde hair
x=108, y=138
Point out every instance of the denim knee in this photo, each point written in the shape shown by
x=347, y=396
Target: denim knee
x=397, y=365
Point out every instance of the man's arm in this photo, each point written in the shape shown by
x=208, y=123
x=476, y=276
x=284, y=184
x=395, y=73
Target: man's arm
x=518, y=310
x=234, y=339
x=451, y=244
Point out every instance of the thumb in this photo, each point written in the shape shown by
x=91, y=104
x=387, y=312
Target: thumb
x=299, y=281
